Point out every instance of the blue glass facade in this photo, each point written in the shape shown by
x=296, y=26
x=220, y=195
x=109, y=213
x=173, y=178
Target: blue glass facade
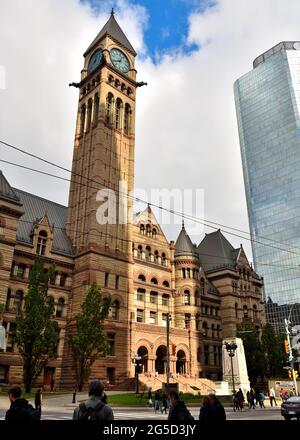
x=267, y=105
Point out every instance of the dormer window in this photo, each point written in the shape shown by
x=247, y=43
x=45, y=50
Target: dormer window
x=42, y=243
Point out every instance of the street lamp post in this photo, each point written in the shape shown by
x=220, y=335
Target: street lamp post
x=230, y=348
x=168, y=351
x=135, y=360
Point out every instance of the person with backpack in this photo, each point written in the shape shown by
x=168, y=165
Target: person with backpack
x=261, y=399
x=20, y=409
x=150, y=402
x=178, y=410
x=94, y=408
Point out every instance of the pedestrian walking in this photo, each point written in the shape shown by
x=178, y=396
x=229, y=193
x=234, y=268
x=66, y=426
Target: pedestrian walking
x=248, y=398
x=20, y=409
x=251, y=399
x=150, y=402
x=52, y=384
x=165, y=403
x=282, y=394
x=240, y=399
x=38, y=400
x=261, y=399
x=272, y=396
x=178, y=410
x=94, y=408
x=235, y=402
x=157, y=402
x=206, y=413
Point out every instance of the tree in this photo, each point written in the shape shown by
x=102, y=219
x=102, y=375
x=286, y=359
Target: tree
x=273, y=349
x=89, y=340
x=255, y=358
x=36, y=332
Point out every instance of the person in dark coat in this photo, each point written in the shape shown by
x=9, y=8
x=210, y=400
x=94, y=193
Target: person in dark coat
x=240, y=399
x=150, y=402
x=20, y=409
x=219, y=411
x=38, y=400
x=176, y=406
x=251, y=399
x=206, y=411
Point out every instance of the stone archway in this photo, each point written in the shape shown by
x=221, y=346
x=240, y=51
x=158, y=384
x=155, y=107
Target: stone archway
x=143, y=353
x=161, y=358
x=181, y=362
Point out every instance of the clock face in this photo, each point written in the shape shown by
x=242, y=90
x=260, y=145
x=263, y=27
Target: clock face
x=119, y=60
x=95, y=60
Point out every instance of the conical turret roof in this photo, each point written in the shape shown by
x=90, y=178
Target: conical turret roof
x=184, y=245
x=113, y=30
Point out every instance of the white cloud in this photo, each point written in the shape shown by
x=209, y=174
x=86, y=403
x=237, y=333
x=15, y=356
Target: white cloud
x=186, y=126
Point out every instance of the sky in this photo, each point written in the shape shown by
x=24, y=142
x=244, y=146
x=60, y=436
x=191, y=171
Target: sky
x=190, y=52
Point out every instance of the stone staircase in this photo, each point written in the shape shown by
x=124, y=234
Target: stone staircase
x=193, y=385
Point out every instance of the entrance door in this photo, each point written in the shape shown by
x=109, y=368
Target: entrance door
x=161, y=358
x=48, y=382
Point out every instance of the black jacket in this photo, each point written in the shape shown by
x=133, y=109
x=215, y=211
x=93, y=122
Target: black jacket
x=16, y=410
x=175, y=410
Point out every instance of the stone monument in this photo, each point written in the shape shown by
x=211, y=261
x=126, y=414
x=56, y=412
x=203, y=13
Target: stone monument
x=239, y=365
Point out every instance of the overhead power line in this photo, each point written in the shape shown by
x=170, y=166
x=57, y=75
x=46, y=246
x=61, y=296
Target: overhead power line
x=180, y=214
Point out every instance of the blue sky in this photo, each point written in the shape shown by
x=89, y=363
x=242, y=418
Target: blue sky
x=167, y=26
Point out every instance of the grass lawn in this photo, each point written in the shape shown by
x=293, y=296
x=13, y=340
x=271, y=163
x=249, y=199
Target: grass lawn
x=31, y=395
x=133, y=399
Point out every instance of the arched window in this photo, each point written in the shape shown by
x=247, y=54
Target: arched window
x=110, y=79
x=148, y=230
x=202, y=287
x=255, y=312
x=108, y=110
x=187, y=297
x=89, y=114
x=59, y=308
x=42, y=242
x=153, y=281
x=213, y=330
x=188, y=273
x=82, y=119
x=18, y=301
x=183, y=273
x=154, y=233
x=156, y=255
x=163, y=259
x=118, y=110
x=141, y=277
x=236, y=310
x=96, y=109
x=117, y=83
x=245, y=312
x=140, y=251
x=127, y=114
x=115, y=307
x=142, y=229
x=148, y=253
x=166, y=284
x=205, y=329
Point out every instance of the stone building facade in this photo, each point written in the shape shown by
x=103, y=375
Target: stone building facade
x=203, y=290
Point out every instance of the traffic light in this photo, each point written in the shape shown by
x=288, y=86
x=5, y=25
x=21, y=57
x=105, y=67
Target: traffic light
x=290, y=374
x=296, y=374
x=286, y=347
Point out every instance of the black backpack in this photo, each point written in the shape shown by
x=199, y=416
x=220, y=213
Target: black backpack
x=90, y=413
x=30, y=413
x=184, y=414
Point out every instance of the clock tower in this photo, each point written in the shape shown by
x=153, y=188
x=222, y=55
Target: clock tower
x=98, y=220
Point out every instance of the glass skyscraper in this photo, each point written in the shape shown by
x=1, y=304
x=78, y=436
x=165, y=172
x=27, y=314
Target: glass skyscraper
x=268, y=104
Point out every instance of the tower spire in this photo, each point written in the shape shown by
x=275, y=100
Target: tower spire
x=112, y=12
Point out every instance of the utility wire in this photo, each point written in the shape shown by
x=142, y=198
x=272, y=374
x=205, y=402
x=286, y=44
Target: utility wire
x=181, y=214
